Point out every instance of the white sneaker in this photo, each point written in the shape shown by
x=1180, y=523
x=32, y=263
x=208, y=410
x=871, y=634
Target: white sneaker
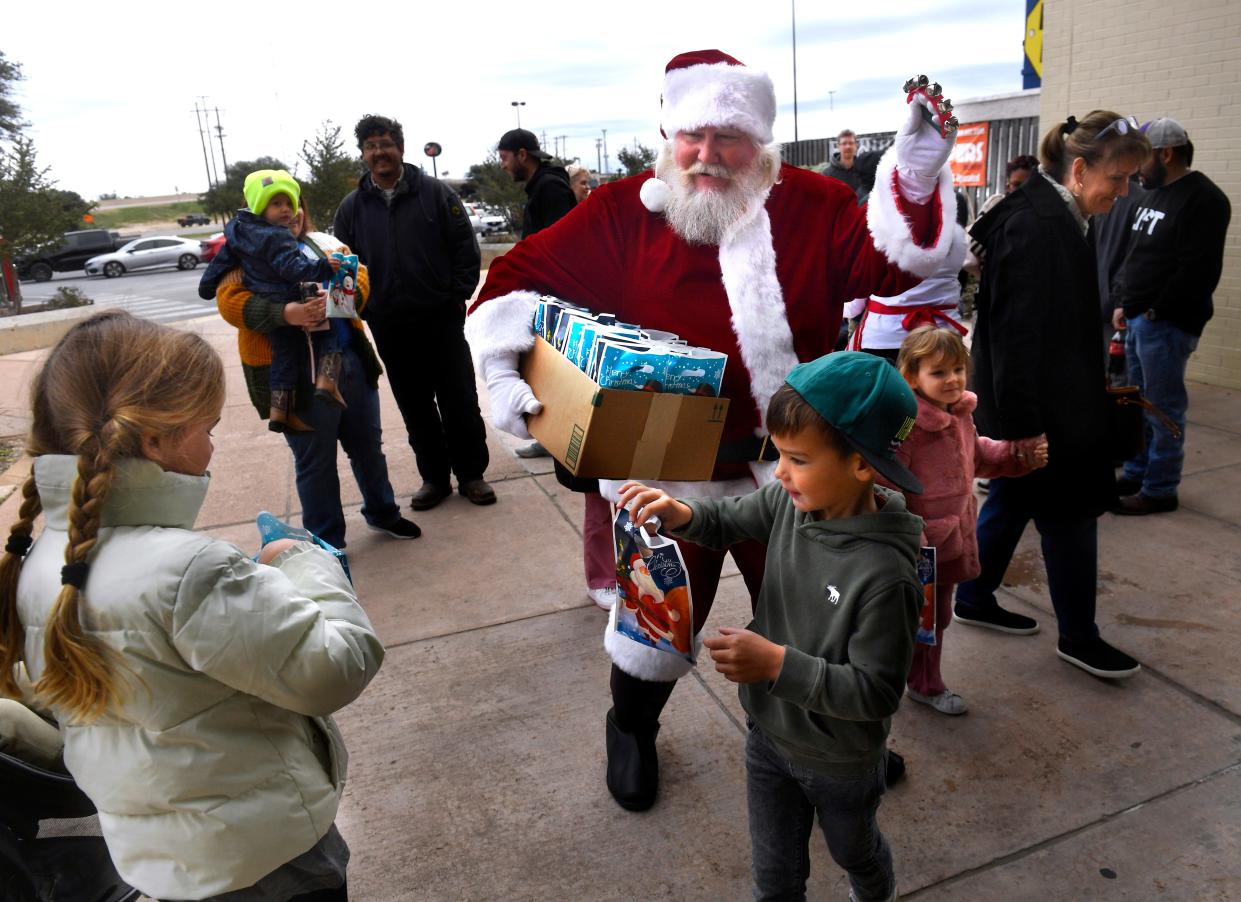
x=604, y=598
x=947, y=702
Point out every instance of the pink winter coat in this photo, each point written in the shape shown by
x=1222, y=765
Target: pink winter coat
x=945, y=452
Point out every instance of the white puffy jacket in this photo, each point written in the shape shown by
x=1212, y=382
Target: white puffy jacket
x=219, y=763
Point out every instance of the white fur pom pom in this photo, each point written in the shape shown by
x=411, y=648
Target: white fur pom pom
x=655, y=193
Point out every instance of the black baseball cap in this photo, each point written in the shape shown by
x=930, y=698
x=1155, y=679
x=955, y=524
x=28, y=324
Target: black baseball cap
x=522, y=139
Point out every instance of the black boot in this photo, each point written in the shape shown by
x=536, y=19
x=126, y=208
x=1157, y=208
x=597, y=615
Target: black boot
x=632, y=725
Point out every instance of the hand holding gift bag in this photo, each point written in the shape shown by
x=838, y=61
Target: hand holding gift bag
x=654, y=605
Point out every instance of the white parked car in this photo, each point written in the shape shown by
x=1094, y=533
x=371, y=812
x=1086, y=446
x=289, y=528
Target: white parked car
x=485, y=221
x=144, y=253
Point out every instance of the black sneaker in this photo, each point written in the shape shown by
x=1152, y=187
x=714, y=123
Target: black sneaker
x=995, y=618
x=1098, y=658
x=401, y=529
x=893, y=768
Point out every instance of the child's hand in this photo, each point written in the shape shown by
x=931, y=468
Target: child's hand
x=272, y=550
x=644, y=503
x=1040, y=455
x=745, y=657
x=1026, y=451
x=334, y=262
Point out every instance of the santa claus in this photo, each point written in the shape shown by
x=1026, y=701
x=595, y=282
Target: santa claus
x=733, y=251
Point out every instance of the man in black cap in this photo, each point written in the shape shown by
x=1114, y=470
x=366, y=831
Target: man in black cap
x=547, y=186
x=1163, y=297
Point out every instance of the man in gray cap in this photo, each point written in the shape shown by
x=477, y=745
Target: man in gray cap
x=1176, y=254
x=547, y=186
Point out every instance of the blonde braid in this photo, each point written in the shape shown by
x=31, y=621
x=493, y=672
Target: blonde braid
x=12, y=634
x=76, y=674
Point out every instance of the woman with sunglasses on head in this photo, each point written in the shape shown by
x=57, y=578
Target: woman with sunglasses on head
x=1039, y=375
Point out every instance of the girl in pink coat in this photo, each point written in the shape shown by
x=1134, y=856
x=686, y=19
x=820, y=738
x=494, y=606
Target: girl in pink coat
x=945, y=451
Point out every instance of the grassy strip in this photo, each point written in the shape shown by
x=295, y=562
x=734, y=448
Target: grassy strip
x=131, y=216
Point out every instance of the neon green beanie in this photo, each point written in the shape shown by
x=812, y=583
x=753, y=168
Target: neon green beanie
x=262, y=186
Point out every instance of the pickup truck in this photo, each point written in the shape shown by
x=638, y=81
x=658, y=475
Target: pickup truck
x=71, y=253
x=194, y=219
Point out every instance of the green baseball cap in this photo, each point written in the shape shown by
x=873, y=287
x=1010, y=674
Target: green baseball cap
x=865, y=399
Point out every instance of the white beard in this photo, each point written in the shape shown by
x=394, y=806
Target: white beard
x=705, y=217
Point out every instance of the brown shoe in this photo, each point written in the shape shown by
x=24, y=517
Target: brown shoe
x=281, y=417
x=326, y=379
x=429, y=496
x=476, y=491
x=1140, y=505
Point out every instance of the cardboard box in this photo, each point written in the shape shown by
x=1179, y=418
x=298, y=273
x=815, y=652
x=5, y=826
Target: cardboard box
x=616, y=434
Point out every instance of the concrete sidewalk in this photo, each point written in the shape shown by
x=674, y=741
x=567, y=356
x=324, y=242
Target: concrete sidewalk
x=476, y=765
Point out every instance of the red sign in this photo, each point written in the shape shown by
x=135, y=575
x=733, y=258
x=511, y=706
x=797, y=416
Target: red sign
x=969, y=156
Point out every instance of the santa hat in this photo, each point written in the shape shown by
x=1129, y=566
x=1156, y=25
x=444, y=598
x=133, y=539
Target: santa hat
x=711, y=88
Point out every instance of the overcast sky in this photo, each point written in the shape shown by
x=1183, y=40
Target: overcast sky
x=110, y=89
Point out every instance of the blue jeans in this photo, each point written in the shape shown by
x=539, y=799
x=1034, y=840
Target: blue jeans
x=1070, y=554
x=1157, y=353
x=314, y=455
x=783, y=800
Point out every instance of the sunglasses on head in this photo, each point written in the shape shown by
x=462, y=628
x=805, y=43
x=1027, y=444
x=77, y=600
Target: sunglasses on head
x=1121, y=126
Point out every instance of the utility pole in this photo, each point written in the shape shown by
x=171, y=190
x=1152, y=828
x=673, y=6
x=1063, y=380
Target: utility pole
x=202, y=137
x=794, y=5
x=543, y=140
x=607, y=164
x=210, y=146
x=831, y=101
x=219, y=131
x=564, y=148
x=599, y=155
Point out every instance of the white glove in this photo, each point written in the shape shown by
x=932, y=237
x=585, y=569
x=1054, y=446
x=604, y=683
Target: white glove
x=922, y=148
x=511, y=397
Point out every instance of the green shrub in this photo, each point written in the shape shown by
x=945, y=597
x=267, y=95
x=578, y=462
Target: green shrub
x=66, y=297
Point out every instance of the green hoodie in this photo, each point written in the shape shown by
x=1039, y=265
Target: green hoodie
x=842, y=596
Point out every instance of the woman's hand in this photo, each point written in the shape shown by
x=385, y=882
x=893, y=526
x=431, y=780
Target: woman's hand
x=644, y=503
x=272, y=550
x=306, y=313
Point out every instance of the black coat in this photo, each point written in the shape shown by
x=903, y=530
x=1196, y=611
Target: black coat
x=1037, y=366
x=550, y=197
x=420, y=249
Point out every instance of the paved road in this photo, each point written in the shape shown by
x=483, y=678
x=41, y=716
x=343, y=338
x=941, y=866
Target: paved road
x=164, y=295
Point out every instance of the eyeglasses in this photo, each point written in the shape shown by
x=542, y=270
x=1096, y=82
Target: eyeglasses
x=1121, y=126
x=373, y=146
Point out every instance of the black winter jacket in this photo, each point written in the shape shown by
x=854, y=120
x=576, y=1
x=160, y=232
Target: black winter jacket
x=550, y=197
x=420, y=249
x=1037, y=364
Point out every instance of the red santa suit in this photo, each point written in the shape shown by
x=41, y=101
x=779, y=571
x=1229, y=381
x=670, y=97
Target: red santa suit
x=770, y=295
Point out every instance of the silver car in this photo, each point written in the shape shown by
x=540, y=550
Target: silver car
x=143, y=253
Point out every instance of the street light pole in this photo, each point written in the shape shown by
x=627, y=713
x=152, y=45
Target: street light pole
x=794, y=5
x=517, y=105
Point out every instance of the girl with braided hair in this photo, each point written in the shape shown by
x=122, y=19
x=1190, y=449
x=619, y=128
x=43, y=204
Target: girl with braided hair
x=192, y=685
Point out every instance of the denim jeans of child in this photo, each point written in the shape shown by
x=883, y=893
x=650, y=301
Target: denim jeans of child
x=783, y=801
x=1157, y=353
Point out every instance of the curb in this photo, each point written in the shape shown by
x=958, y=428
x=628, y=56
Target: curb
x=32, y=331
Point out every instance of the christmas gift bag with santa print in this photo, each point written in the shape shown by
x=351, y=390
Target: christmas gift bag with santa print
x=653, y=604
x=926, y=576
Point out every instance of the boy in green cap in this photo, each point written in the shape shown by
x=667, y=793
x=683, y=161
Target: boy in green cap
x=273, y=265
x=822, y=665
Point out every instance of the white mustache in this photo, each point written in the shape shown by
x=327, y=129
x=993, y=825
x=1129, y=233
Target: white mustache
x=716, y=170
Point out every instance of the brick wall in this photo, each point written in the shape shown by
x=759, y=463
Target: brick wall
x=1152, y=58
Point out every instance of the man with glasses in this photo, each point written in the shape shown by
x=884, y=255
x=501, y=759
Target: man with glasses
x=1163, y=301
x=415, y=236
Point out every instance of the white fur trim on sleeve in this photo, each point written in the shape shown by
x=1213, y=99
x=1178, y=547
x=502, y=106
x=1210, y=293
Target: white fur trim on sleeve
x=642, y=661
x=503, y=325
x=890, y=229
